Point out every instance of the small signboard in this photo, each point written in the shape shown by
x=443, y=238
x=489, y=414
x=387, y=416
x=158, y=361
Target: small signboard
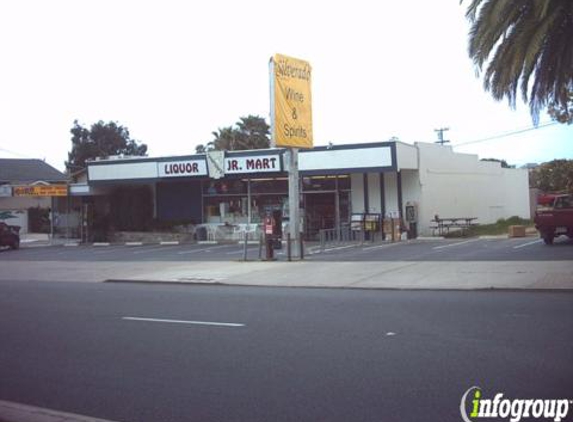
x=42, y=190
x=372, y=222
x=357, y=222
x=5, y=190
x=268, y=225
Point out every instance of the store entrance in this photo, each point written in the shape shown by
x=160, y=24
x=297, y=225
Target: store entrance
x=320, y=213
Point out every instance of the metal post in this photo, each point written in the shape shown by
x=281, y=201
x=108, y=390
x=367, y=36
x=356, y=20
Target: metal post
x=52, y=214
x=293, y=197
x=245, y=245
x=249, y=210
x=68, y=215
x=301, y=247
x=289, y=257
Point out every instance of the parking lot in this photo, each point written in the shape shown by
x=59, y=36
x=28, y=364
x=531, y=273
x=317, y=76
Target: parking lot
x=471, y=249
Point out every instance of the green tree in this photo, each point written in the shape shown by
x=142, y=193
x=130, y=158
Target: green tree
x=524, y=44
x=101, y=140
x=553, y=176
x=251, y=132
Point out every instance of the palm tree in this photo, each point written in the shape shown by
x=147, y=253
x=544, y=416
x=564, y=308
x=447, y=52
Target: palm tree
x=526, y=44
x=252, y=132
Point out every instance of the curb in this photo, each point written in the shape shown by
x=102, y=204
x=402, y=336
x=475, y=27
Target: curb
x=221, y=283
x=16, y=412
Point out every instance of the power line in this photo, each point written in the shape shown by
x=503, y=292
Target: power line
x=14, y=153
x=503, y=135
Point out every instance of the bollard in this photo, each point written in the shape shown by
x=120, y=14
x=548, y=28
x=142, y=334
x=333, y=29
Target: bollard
x=245, y=246
x=301, y=247
x=289, y=258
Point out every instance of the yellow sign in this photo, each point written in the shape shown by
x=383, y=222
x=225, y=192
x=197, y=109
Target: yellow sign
x=52, y=190
x=292, y=102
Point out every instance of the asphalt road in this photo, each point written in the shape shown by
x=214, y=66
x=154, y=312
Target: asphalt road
x=297, y=355
x=473, y=249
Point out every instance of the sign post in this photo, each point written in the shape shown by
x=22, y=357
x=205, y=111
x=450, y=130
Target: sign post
x=293, y=199
x=291, y=124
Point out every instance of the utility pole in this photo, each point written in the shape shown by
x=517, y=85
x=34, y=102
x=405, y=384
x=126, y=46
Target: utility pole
x=441, y=131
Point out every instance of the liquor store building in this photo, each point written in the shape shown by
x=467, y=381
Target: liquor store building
x=237, y=188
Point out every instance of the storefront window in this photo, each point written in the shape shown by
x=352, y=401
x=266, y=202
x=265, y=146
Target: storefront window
x=225, y=187
x=270, y=186
x=227, y=201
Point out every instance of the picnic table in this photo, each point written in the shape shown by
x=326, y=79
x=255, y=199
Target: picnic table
x=443, y=225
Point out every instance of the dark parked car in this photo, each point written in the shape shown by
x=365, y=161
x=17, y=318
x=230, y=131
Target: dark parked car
x=9, y=236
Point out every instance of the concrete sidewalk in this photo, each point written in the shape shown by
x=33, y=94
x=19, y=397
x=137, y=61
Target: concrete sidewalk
x=364, y=275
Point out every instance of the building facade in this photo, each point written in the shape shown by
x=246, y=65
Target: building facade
x=240, y=187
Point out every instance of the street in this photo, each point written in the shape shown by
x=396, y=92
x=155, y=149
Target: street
x=149, y=353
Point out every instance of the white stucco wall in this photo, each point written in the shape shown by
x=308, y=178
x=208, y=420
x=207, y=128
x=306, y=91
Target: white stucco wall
x=374, y=201
x=459, y=185
x=406, y=156
x=391, y=194
x=357, y=192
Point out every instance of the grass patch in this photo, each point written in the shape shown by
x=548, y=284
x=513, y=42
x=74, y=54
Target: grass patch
x=501, y=226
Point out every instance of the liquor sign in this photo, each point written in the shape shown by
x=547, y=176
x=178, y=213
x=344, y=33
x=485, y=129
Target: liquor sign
x=291, y=102
x=183, y=168
x=42, y=190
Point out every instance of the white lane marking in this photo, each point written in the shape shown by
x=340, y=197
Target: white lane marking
x=238, y=252
x=160, y=248
x=390, y=333
x=90, y=251
x=209, y=249
x=178, y=321
x=523, y=245
x=456, y=244
x=384, y=245
x=111, y=249
x=337, y=248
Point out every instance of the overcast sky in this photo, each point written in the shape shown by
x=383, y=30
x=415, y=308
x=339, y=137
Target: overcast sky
x=175, y=71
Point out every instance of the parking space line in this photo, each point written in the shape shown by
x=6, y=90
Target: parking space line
x=156, y=249
x=178, y=321
x=208, y=249
x=384, y=245
x=239, y=251
x=523, y=245
x=451, y=245
x=111, y=249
